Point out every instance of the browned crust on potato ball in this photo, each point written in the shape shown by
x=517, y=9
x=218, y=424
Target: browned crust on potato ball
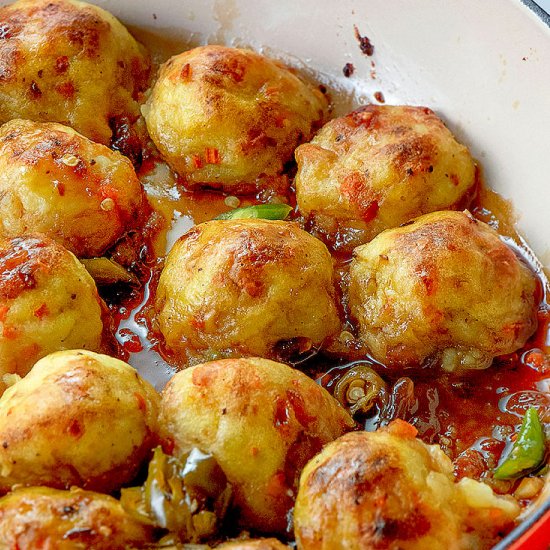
x=46, y=518
x=69, y=62
x=378, y=167
x=101, y=415
x=240, y=287
x=48, y=302
x=387, y=489
x=442, y=290
x=230, y=118
x=261, y=420
x=57, y=182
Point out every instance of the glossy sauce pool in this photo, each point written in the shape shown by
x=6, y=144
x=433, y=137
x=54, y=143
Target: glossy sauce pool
x=471, y=416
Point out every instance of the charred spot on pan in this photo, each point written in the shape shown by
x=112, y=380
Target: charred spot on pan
x=348, y=69
x=365, y=45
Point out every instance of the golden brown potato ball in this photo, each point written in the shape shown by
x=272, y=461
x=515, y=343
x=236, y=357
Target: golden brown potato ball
x=78, y=418
x=377, y=168
x=387, y=489
x=240, y=287
x=42, y=518
x=254, y=544
x=57, y=182
x=230, y=118
x=261, y=420
x=442, y=290
x=69, y=62
x=48, y=302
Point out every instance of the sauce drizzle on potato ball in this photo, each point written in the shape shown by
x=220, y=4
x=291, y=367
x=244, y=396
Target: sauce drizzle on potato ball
x=377, y=168
x=57, y=182
x=245, y=287
x=230, y=118
x=93, y=421
x=49, y=303
x=441, y=290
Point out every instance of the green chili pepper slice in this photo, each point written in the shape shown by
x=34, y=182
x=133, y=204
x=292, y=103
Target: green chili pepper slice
x=107, y=272
x=528, y=450
x=263, y=211
x=189, y=496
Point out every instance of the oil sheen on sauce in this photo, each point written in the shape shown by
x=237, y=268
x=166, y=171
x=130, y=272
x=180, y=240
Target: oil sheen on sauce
x=470, y=416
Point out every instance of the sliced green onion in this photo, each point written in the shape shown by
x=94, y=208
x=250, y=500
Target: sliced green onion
x=263, y=211
x=528, y=450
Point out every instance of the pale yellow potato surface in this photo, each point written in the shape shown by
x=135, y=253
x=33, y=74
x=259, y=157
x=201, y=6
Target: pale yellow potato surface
x=443, y=290
x=240, y=287
x=230, y=118
x=377, y=168
x=387, y=489
x=70, y=62
x=42, y=518
x=57, y=182
x=261, y=420
x=48, y=302
x=78, y=418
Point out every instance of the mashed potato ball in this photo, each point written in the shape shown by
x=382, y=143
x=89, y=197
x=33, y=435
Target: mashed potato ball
x=46, y=518
x=377, y=168
x=69, y=62
x=48, y=302
x=78, y=418
x=234, y=287
x=261, y=420
x=230, y=118
x=387, y=489
x=442, y=290
x=57, y=182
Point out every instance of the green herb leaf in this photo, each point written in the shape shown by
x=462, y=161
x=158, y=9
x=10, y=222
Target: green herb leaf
x=263, y=211
x=528, y=450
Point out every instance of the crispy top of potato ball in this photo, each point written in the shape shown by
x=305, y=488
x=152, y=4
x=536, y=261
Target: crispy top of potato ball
x=69, y=62
x=377, y=168
x=387, y=489
x=443, y=289
x=92, y=418
x=261, y=420
x=57, y=182
x=230, y=118
x=240, y=287
x=48, y=302
x=39, y=517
